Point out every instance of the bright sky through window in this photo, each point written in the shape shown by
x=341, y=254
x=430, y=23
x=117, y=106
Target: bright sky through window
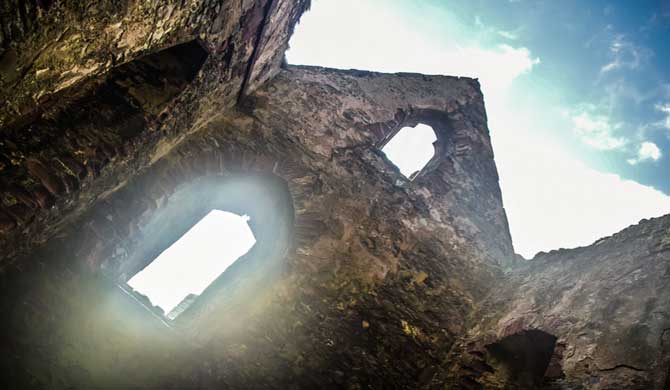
x=195, y=260
x=411, y=148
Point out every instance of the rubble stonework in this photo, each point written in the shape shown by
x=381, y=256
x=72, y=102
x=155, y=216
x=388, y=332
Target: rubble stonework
x=126, y=122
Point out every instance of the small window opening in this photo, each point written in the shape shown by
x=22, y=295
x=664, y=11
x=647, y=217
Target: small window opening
x=179, y=274
x=411, y=149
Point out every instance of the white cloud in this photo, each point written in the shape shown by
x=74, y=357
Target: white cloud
x=610, y=66
x=647, y=151
x=508, y=34
x=555, y=201
x=597, y=130
x=376, y=38
x=664, y=108
x=625, y=54
x=623, y=91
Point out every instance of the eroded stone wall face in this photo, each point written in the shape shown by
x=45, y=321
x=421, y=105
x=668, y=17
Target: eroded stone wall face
x=342, y=116
x=376, y=279
x=608, y=305
x=360, y=279
x=49, y=47
x=93, y=93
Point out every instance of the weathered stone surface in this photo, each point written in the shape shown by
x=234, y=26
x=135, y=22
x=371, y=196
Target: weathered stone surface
x=48, y=47
x=367, y=246
x=349, y=115
x=147, y=59
x=360, y=278
x=607, y=304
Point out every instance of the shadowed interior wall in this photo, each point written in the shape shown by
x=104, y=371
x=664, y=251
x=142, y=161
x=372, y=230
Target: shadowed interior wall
x=52, y=171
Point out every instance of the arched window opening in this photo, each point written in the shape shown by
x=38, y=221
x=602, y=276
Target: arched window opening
x=211, y=249
x=184, y=270
x=411, y=149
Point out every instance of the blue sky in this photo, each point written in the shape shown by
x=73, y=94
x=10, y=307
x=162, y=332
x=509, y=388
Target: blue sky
x=577, y=94
x=609, y=64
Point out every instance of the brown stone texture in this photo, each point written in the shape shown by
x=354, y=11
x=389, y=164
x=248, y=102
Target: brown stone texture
x=49, y=47
x=126, y=122
x=607, y=304
x=115, y=120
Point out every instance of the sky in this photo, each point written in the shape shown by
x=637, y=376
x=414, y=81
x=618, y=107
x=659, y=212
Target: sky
x=577, y=96
x=419, y=140
x=195, y=260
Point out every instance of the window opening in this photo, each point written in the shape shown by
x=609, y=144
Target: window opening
x=411, y=149
x=175, y=279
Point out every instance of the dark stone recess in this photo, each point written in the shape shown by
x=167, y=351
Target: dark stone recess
x=126, y=121
x=525, y=357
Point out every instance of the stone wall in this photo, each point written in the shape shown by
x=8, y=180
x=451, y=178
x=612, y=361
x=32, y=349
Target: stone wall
x=141, y=96
x=50, y=47
x=340, y=115
x=374, y=269
x=127, y=121
x=607, y=305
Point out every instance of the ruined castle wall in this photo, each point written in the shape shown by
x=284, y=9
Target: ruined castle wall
x=607, y=305
x=353, y=114
x=50, y=47
x=153, y=72
x=126, y=122
x=374, y=266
